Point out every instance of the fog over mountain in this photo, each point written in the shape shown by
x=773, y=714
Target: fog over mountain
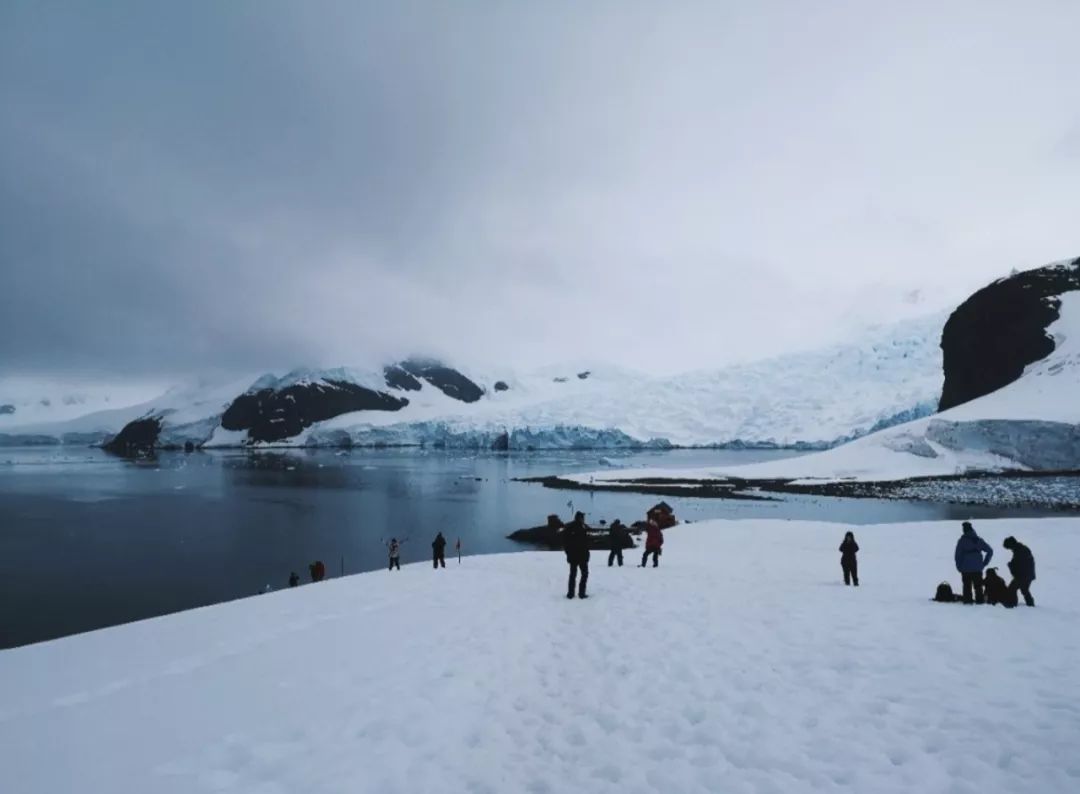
x=258, y=185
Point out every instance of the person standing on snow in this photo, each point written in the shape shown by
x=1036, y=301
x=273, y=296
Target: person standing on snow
x=617, y=536
x=970, y=562
x=438, y=549
x=575, y=537
x=654, y=541
x=294, y=579
x=848, y=563
x=394, y=548
x=1022, y=568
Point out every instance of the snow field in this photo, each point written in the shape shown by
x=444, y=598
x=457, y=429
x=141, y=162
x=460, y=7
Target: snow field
x=742, y=664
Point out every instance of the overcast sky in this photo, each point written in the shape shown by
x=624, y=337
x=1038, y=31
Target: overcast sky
x=203, y=186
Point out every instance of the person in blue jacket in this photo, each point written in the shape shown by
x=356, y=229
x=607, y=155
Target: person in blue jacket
x=970, y=562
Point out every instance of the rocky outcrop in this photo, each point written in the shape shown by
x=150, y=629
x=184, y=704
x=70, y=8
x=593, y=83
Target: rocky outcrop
x=7, y=408
x=137, y=438
x=501, y=385
x=277, y=414
x=549, y=535
x=398, y=378
x=447, y=380
x=993, y=335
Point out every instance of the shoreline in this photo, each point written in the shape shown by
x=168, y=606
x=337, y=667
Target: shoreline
x=992, y=489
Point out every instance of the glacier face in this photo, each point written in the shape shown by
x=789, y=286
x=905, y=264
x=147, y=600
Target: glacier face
x=812, y=400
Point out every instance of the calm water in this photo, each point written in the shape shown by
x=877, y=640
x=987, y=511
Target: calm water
x=87, y=540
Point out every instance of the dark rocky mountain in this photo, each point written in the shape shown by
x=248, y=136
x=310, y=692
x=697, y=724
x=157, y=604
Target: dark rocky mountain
x=276, y=414
x=447, y=380
x=993, y=335
x=137, y=438
x=7, y=408
x=398, y=378
x=279, y=409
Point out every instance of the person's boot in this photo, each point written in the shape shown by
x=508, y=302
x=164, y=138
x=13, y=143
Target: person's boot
x=582, y=595
x=569, y=595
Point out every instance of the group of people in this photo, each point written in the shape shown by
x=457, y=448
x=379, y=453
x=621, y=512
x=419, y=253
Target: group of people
x=438, y=551
x=576, y=544
x=972, y=556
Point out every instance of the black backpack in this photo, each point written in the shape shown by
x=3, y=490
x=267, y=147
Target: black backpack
x=944, y=593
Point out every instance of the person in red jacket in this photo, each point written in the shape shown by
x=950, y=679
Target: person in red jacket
x=654, y=540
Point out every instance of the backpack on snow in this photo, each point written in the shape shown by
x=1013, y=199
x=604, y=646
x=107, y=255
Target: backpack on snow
x=945, y=594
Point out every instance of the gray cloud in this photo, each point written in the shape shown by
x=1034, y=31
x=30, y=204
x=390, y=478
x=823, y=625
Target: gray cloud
x=256, y=184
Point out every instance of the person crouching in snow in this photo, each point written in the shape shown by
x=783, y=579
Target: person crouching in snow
x=970, y=562
x=848, y=563
x=997, y=592
x=1022, y=568
x=394, y=548
x=575, y=537
x=654, y=541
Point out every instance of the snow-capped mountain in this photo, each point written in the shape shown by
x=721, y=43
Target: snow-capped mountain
x=1030, y=423
x=890, y=374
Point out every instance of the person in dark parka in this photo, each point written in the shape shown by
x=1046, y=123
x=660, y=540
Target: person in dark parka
x=1022, y=568
x=848, y=562
x=617, y=535
x=970, y=562
x=438, y=551
x=575, y=538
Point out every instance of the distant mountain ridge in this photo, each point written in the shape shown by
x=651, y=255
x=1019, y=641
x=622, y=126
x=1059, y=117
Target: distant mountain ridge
x=811, y=400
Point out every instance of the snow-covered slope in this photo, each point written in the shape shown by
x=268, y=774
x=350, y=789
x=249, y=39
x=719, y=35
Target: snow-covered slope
x=34, y=401
x=1031, y=424
x=891, y=374
x=484, y=679
x=190, y=411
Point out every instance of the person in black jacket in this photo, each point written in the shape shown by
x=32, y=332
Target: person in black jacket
x=575, y=538
x=1022, y=568
x=848, y=563
x=617, y=536
x=438, y=549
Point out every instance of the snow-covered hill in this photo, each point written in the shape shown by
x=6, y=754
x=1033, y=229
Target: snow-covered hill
x=1032, y=423
x=484, y=679
x=32, y=401
x=816, y=399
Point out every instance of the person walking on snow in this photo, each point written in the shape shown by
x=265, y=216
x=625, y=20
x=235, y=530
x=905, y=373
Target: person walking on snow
x=654, y=541
x=438, y=548
x=575, y=537
x=394, y=548
x=970, y=562
x=1022, y=568
x=617, y=535
x=848, y=563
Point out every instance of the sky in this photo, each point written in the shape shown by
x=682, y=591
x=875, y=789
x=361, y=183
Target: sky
x=256, y=185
